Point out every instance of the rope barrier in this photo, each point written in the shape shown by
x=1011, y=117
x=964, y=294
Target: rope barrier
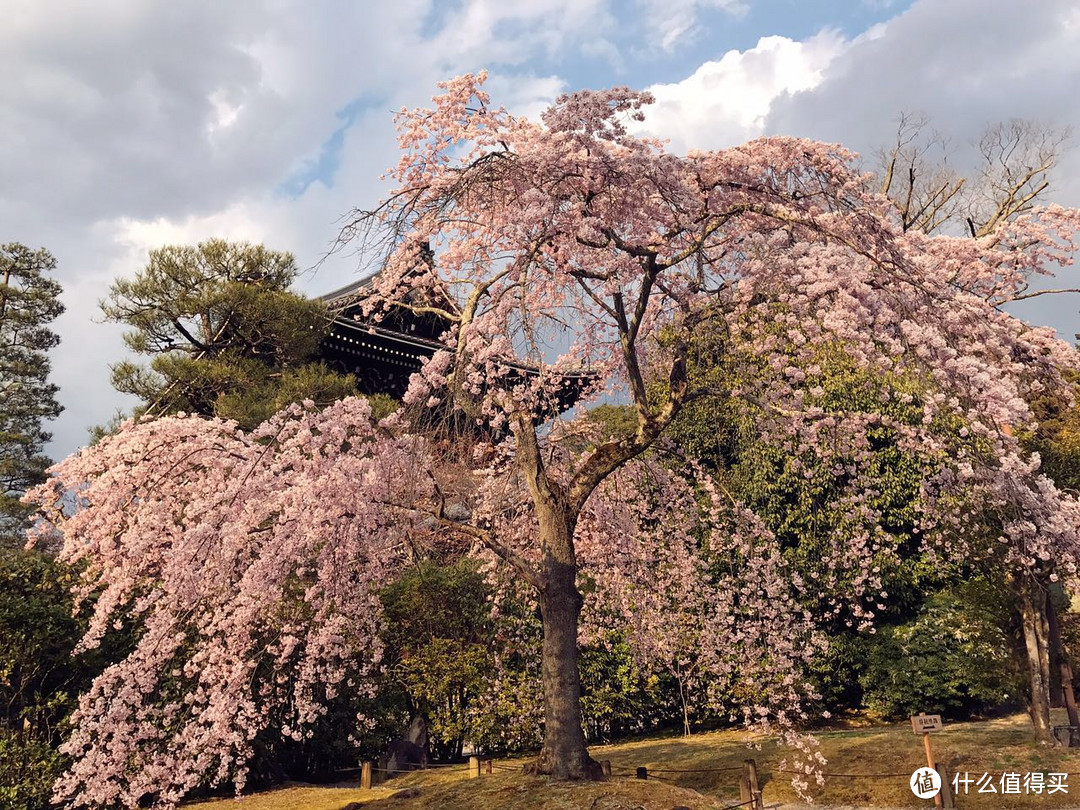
x=962, y=769
x=396, y=770
x=622, y=771
x=695, y=770
x=417, y=770
x=849, y=775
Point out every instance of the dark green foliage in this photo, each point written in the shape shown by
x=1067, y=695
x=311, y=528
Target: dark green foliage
x=29, y=302
x=40, y=676
x=613, y=421
x=804, y=498
x=1057, y=438
x=28, y=768
x=439, y=634
x=382, y=405
x=952, y=658
x=617, y=699
x=469, y=670
x=337, y=742
x=441, y=642
x=940, y=647
x=227, y=336
x=836, y=675
x=803, y=501
x=39, y=681
x=502, y=672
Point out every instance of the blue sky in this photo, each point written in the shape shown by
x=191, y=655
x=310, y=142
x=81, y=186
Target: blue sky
x=129, y=124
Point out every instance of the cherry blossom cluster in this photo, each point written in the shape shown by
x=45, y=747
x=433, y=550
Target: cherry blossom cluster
x=246, y=566
x=702, y=589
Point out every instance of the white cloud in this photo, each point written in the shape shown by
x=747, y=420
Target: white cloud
x=511, y=33
x=526, y=96
x=726, y=102
x=128, y=112
x=964, y=63
x=676, y=21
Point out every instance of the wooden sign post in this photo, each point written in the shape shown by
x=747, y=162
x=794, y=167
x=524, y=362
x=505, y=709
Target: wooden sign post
x=924, y=724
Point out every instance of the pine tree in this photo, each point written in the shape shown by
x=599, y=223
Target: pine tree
x=227, y=336
x=29, y=302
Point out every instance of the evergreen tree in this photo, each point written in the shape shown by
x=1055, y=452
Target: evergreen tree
x=227, y=336
x=29, y=302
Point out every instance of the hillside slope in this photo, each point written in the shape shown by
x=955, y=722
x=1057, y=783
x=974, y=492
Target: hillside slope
x=867, y=768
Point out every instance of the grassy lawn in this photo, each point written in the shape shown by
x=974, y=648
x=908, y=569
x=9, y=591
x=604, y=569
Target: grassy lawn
x=504, y=791
x=985, y=746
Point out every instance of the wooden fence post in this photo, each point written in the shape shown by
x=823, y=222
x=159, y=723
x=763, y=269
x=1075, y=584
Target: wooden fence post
x=745, y=794
x=750, y=767
x=946, y=787
x=474, y=767
x=642, y=772
x=605, y=767
x=365, y=776
x=489, y=766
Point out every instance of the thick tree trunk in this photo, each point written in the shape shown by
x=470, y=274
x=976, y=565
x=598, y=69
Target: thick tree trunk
x=1057, y=649
x=563, y=755
x=1037, y=659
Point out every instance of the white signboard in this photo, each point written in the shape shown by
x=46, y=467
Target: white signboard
x=922, y=723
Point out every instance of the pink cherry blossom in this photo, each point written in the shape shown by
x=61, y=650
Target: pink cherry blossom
x=566, y=247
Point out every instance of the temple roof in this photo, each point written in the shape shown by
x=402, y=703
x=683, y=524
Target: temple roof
x=343, y=294
x=381, y=355
x=384, y=354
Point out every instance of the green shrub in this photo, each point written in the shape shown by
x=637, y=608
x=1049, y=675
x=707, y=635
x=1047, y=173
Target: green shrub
x=617, y=698
x=28, y=769
x=952, y=658
x=836, y=674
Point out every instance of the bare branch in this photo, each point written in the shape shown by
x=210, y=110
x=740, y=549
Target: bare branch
x=927, y=196
x=1017, y=157
x=1036, y=294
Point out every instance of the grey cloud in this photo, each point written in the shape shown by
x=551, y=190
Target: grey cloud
x=965, y=64
x=107, y=111
x=110, y=107
x=108, y=114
